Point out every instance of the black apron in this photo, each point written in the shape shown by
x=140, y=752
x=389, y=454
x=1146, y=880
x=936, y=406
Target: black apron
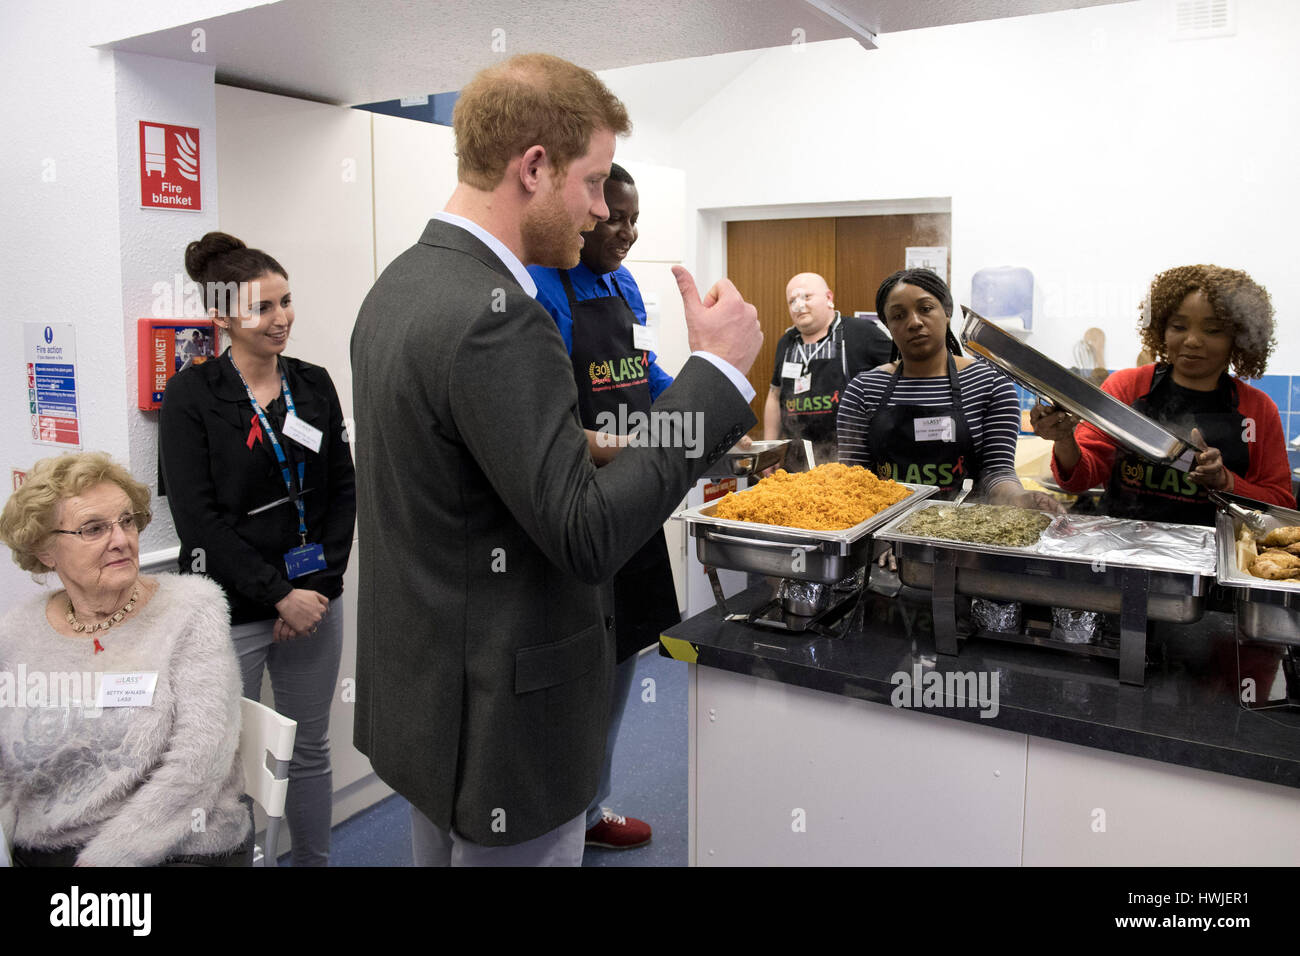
x=1142, y=489
x=909, y=443
x=811, y=414
x=609, y=373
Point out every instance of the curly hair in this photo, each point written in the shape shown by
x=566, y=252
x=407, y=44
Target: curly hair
x=1236, y=299
x=31, y=514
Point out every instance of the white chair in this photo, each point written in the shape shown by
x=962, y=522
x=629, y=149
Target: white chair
x=263, y=732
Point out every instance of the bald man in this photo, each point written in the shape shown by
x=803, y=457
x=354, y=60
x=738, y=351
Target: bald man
x=815, y=358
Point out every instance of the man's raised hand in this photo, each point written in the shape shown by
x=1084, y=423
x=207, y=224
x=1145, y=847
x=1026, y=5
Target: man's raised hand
x=721, y=323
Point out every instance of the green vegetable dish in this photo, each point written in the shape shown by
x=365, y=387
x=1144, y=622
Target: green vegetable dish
x=981, y=524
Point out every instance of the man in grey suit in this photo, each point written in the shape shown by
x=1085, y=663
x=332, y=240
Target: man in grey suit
x=487, y=535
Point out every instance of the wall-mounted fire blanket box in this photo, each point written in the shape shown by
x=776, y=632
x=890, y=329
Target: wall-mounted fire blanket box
x=165, y=347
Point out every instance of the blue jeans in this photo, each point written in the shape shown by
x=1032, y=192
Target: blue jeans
x=623, y=675
x=304, y=673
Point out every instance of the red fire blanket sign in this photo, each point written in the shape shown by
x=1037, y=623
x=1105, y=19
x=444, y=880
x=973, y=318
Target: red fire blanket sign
x=169, y=167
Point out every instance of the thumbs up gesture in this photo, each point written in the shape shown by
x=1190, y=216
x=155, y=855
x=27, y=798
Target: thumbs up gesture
x=721, y=323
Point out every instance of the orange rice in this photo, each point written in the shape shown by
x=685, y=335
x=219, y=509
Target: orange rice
x=829, y=498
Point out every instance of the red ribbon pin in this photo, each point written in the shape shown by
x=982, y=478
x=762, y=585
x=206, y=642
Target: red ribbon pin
x=98, y=646
x=255, y=432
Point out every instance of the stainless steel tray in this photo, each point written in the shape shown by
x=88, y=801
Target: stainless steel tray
x=821, y=556
x=1034, y=576
x=1266, y=610
x=1036, y=372
x=743, y=462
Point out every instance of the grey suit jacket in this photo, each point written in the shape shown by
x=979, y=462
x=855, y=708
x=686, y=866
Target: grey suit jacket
x=484, y=650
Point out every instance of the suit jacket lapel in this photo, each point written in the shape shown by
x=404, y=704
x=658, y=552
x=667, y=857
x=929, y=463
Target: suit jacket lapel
x=448, y=236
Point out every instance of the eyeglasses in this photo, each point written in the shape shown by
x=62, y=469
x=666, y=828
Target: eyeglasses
x=94, y=530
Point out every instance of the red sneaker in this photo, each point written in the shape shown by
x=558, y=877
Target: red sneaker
x=618, y=833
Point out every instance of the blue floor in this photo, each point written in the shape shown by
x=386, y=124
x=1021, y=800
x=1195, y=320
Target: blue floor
x=649, y=783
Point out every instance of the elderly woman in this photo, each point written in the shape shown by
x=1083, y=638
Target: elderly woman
x=934, y=416
x=120, y=748
x=1199, y=322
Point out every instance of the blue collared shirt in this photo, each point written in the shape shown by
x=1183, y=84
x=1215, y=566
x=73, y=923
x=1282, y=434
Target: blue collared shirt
x=588, y=285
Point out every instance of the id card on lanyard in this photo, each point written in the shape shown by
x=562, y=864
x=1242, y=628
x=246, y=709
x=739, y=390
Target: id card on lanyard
x=305, y=558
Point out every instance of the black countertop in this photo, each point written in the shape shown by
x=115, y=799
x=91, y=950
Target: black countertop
x=1189, y=711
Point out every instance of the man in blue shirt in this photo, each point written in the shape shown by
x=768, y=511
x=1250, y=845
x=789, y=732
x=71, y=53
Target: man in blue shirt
x=600, y=272
x=601, y=316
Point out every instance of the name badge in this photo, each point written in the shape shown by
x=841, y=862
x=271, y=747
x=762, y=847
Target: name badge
x=644, y=338
x=304, y=560
x=791, y=370
x=308, y=436
x=127, y=690
x=939, y=428
x=802, y=384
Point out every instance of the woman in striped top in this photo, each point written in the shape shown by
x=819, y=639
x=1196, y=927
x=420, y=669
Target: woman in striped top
x=934, y=416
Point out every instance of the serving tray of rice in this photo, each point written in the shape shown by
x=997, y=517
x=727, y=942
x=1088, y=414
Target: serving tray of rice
x=813, y=526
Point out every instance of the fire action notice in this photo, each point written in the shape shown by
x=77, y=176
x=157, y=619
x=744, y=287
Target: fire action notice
x=169, y=167
x=50, y=350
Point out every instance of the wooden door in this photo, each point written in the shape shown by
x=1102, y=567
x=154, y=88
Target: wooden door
x=853, y=253
x=869, y=248
x=762, y=256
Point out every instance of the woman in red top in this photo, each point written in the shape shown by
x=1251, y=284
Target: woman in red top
x=1198, y=322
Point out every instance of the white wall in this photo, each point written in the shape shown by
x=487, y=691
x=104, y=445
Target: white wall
x=73, y=248
x=152, y=241
x=1085, y=145
x=415, y=174
x=296, y=183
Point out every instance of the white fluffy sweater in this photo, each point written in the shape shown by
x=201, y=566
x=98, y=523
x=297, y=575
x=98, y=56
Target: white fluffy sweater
x=135, y=785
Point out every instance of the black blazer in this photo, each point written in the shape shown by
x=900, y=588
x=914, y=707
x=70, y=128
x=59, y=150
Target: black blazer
x=212, y=478
x=487, y=540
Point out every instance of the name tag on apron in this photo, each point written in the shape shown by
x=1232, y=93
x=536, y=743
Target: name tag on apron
x=791, y=370
x=127, y=690
x=939, y=428
x=802, y=384
x=308, y=436
x=304, y=560
x=644, y=338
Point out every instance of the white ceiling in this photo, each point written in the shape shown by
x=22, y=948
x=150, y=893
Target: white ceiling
x=348, y=52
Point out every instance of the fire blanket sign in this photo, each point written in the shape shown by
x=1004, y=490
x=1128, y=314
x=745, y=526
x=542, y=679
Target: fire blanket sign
x=169, y=167
x=51, y=353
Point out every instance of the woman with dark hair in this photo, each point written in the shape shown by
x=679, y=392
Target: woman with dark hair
x=932, y=416
x=259, y=478
x=1198, y=322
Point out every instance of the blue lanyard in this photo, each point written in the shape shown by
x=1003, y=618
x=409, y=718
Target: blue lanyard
x=275, y=443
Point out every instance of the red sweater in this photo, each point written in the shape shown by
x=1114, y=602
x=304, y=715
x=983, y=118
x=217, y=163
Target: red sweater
x=1269, y=477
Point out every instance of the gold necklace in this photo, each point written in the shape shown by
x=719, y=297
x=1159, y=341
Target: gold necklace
x=105, y=624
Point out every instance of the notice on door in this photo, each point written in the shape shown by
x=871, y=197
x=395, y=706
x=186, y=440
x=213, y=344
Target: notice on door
x=934, y=258
x=169, y=167
x=50, y=351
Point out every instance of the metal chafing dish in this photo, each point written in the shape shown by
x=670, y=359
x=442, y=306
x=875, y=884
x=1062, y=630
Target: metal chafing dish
x=1046, y=378
x=1114, y=578
x=1267, y=610
x=826, y=566
x=821, y=556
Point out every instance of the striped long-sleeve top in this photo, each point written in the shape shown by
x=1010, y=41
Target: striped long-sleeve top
x=988, y=401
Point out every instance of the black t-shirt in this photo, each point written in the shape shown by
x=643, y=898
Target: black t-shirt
x=866, y=345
